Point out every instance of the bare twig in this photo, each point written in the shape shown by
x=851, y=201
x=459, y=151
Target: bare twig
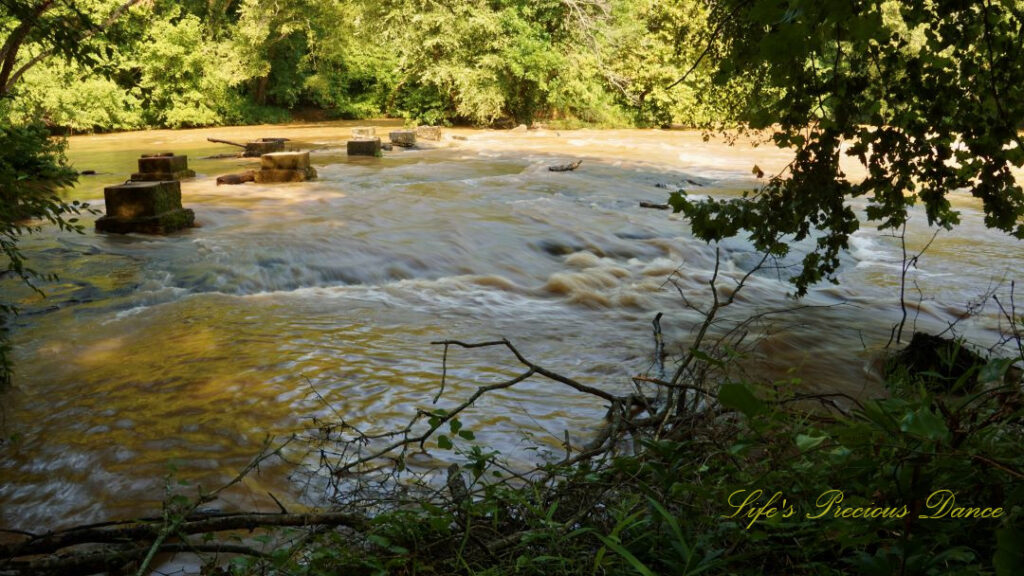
x=659, y=347
x=173, y=519
x=908, y=263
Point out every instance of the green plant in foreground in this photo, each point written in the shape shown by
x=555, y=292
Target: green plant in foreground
x=676, y=506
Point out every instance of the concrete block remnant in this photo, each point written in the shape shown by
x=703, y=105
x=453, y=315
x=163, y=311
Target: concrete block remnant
x=364, y=147
x=285, y=161
x=258, y=148
x=364, y=133
x=145, y=207
x=285, y=167
x=265, y=176
x=403, y=138
x=164, y=166
x=428, y=133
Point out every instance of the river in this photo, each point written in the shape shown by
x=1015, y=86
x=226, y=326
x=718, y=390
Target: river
x=160, y=360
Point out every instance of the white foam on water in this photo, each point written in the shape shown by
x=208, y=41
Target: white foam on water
x=870, y=251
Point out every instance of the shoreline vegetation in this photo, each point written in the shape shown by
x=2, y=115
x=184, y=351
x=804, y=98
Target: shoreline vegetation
x=498, y=64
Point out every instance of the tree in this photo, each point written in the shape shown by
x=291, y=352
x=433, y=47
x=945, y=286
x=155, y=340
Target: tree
x=644, y=47
x=53, y=28
x=32, y=167
x=486, y=61
x=927, y=95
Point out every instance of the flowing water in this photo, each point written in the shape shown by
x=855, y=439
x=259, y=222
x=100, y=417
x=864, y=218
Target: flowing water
x=175, y=356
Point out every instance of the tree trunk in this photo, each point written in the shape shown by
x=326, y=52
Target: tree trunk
x=12, y=45
x=260, y=93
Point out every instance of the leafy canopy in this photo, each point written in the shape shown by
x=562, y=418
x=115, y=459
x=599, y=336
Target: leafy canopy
x=926, y=95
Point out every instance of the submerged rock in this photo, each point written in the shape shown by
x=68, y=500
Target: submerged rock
x=942, y=364
x=566, y=167
x=145, y=207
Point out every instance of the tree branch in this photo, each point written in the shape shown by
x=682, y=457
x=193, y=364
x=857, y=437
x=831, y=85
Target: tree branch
x=113, y=17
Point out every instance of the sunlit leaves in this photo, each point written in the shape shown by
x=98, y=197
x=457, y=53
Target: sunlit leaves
x=32, y=171
x=926, y=97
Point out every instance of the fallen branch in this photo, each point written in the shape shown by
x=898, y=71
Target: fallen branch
x=193, y=524
x=405, y=436
x=654, y=205
x=230, y=143
x=112, y=559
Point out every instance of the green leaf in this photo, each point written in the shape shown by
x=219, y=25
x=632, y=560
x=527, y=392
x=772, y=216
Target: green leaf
x=806, y=442
x=704, y=357
x=677, y=200
x=1009, y=557
x=680, y=540
x=467, y=435
x=444, y=442
x=923, y=423
x=994, y=370
x=737, y=396
x=621, y=551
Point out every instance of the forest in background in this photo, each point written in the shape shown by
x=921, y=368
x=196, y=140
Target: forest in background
x=482, y=62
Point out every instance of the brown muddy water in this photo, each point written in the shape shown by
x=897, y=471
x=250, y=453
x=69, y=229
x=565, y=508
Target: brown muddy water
x=174, y=357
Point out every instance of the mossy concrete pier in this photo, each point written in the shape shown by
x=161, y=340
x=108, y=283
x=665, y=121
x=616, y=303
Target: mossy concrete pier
x=145, y=207
x=165, y=166
x=285, y=167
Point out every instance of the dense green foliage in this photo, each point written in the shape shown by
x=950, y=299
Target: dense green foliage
x=32, y=170
x=488, y=62
x=926, y=96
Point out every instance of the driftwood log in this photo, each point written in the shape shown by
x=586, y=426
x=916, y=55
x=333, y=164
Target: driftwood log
x=228, y=142
x=239, y=178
